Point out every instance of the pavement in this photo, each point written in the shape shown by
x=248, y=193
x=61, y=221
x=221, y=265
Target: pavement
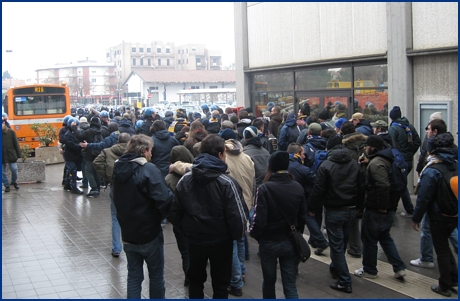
x=58, y=245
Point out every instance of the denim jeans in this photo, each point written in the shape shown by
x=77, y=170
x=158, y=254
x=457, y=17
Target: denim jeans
x=426, y=242
x=153, y=254
x=405, y=197
x=116, y=231
x=448, y=270
x=375, y=227
x=72, y=171
x=14, y=173
x=270, y=252
x=338, y=224
x=317, y=239
x=354, y=241
x=237, y=273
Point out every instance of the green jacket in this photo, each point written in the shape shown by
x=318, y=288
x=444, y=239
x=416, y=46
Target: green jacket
x=378, y=182
x=11, y=151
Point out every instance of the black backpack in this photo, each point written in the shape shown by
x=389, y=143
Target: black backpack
x=95, y=152
x=445, y=197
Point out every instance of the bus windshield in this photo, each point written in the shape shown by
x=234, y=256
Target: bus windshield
x=39, y=104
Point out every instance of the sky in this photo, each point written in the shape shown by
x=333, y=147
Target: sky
x=44, y=34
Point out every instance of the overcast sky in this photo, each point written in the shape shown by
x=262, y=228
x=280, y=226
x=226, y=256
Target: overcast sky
x=43, y=34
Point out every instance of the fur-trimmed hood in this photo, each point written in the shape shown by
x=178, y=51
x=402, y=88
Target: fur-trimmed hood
x=353, y=138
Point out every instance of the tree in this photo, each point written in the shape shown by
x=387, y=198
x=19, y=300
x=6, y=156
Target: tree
x=6, y=75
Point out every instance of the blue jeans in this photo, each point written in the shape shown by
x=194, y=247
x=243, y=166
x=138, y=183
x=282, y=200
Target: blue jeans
x=116, y=231
x=426, y=242
x=338, y=225
x=238, y=264
x=153, y=254
x=270, y=252
x=14, y=173
x=316, y=239
x=72, y=171
x=375, y=227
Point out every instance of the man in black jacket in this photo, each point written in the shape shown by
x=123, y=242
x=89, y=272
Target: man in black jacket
x=209, y=208
x=72, y=155
x=142, y=200
x=340, y=184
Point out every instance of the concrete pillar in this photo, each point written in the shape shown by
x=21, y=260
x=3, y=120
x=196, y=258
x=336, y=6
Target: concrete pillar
x=241, y=54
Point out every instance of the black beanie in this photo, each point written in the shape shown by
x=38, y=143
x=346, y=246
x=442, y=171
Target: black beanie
x=441, y=140
x=333, y=141
x=278, y=161
x=324, y=115
x=95, y=121
x=375, y=141
x=395, y=113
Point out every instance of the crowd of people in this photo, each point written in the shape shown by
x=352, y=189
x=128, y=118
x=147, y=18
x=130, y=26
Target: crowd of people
x=221, y=177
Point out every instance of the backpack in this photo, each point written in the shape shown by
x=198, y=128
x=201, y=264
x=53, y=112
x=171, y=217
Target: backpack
x=398, y=174
x=446, y=198
x=310, y=155
x=94, y=152
x=320, y=157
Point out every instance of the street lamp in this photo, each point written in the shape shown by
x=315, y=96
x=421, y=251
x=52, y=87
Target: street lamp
x=9, y=71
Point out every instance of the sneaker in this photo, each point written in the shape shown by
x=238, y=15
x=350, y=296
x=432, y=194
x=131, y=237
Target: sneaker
x=342, y=288
x=237, y=292
x=361, y=273
x=16, y=186
x=93, y=193
x=7, y=189
x=405, y=214
x=67, y=187
x=435, y=288
x=320, y=251
x=76, y=191
x=422, y=264
x=400, y=274
x=116, y=254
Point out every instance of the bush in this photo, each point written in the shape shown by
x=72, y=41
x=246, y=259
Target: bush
x=45, y=132
x=25, y=152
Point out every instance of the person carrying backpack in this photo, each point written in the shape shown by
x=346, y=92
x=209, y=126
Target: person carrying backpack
x=437, y=198
x=314, y=143
x=409, y=142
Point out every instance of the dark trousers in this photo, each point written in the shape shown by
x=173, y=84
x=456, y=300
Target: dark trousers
x=183, y=248
x=448, y=272
x=405, y=197
x=220, y=257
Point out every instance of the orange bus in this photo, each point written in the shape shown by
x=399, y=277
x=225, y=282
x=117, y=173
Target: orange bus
x=40, y=103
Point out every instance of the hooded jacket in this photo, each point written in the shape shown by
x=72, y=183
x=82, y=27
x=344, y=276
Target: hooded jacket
x=399, y=134
x=208, y=205
x=288, y=134
x=125, y=126
x=182, y=154
x=260, y=156
x=364, y=127
x=162, y=146
x=378, y=182
x=104, y=163
x=430, y=182
x=355, y=142
x=273, y=125
x=89, y=135
x=339, y=181
x=241, y=168
x=141, y=198
x=240, y=126
x=302, y=174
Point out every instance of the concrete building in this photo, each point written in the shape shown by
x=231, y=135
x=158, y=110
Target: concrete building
x=349, y=56
x=150, y=86
x=89, y=81
x=158, y=55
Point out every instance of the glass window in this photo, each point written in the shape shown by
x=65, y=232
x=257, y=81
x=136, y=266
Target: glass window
x=149, y=50
x=329, y=78
x=142, y=62
x=273, y=81
x=134, y=62
x=159, y=62
x=141, y=50
x=158, y=50
x=31, y=105
x=168, y=50
x=167, y=62
x=93, y=80
x=133, y=49
x=285, y=100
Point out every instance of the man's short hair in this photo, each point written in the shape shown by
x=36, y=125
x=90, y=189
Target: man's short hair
x=259, y=124
x=294, y=148
x=328, y=133
x=138, y=143
x=213, y=145
x=158, y=125
x=348, y=128
x=439, y=125
x=228, y=110
x=243, y=114
x=124, y=138
x=276, y=109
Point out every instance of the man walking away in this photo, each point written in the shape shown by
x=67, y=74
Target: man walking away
x=10, y=154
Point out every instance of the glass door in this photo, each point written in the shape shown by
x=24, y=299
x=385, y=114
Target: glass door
x=337, y=103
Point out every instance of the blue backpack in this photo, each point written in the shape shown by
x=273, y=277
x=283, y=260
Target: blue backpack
x=320, y=157
x=398, y=172
x=310, y=155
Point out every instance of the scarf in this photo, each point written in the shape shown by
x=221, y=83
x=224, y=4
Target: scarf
x=432, y=159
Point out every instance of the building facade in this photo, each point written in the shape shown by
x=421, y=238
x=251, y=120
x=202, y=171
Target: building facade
x=88, y=81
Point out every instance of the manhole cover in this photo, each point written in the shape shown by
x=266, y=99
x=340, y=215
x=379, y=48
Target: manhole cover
x=37, y=189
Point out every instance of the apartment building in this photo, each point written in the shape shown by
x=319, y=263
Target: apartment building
x=159, y=55
x=89, y=81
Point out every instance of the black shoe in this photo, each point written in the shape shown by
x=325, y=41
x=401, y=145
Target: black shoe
x=435, y=288
x=63, y=182
x=67, y=188
x=93, y=193
x=115, y=254
x=356, y=255
x=237, y=292
x=16, y=186
x=7, y=189
x=320, y=251
x=186, y=282
x=342, y=288
x=76, y=191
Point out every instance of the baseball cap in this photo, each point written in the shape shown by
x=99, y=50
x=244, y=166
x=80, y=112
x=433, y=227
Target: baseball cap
x=379, y=124
x=357, y=116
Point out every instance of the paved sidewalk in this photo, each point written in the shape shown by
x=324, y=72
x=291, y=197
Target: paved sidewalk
x=58, y=245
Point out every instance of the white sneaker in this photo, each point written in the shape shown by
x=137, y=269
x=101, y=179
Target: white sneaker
x=405, y=214
x=361, y=273
x=422, y=264
x=400, y=274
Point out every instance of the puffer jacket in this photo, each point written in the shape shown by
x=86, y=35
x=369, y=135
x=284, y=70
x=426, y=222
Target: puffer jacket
x=399, y=134
x=11, y=151
x=280, y=192
x=162, y=146
x=430, y=182
x=378, y=182
x=208, y=204
x=259, y=156
x=339, y=182
x=241, y=168
x=355, y=142
x=104, y=163
x=141, y=198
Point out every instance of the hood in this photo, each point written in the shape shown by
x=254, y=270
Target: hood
x=290, y=122
x=233, y=146
x=168, y=119
x=364, y=123
x=448, y=155
x=402, y=120
x=162, y=135
x=385, y=153
x=276, y=117
x=319, y=143
x=353, y=138
x=339, y=154
x=254, y=141
x=84, y=125
x=126, y=166
x=119, y=149
x=207, y=167
x=125, y=123
x=244, y=121
x=181, y=153
x=96, y=131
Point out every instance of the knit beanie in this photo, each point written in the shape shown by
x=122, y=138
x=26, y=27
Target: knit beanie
x=95, y=121
x=395, y=113
x=436, y=115
x=441, y=140
x=278, y=161
x=375, y=141
x=227, y=124
x=324, y=115
x=333, y=141
x=338, y=123
x=83, y=119
x=227, y=134
x=250, y=132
